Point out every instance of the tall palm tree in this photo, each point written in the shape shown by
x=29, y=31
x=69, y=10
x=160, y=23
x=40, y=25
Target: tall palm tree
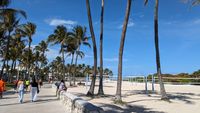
x=70, y=49
x=9, y=21
x=79, y=33
x=92, y=86
x=15, y=50
x=100, y=91
x=156, y=38
x=60, y=36
x=42, y=47
x=29, y=30
x=81, y=55
x=119, y=79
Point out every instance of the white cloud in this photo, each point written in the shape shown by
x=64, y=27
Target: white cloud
x=141, y=16
x=130, y=24
x=197, y=21
x=55, y=22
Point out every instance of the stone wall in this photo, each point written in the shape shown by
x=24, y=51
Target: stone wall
x=76, y=104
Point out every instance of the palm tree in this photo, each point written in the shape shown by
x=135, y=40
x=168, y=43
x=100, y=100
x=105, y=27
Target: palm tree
x=119, y=79
x=100, y=91
x=60, y=36
x=15, y=50
x=58, y=62
x=162, y=88
x=42, y=47
x=81, y=55
x=91, y=90
x=79, y=33
x=70, y=49
x=29, y=30
x=8, y=23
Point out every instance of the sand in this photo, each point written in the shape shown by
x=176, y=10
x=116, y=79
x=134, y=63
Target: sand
x=183, y=98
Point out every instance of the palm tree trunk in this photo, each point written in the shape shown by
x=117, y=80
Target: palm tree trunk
x=100, y=91
x=119, y=79
x=7, y=70
x=11, y=71
x=18, y=72
x=162, y=88
x=70, y=70
x=92, y=86
x=3, y=66
x=14, y=68
x=6, y=53
x=29, y=54
x=63, y=58
x=36, y=69
x=76, y=60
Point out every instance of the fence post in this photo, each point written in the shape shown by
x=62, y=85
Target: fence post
x=153, y=80
x=146, y=88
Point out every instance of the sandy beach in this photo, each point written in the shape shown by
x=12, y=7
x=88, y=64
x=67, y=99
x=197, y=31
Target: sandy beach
x=183, y=98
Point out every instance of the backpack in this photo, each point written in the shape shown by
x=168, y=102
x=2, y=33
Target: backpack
x=57, y=84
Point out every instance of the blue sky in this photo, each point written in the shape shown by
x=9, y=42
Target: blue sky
x=179, y=32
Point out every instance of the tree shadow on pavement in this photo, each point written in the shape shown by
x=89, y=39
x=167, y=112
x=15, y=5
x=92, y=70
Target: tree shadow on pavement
x=10, y=104
x=110, y=108
x=39, y=101
x=9, y=97
x=46, y=96
x=9, y=93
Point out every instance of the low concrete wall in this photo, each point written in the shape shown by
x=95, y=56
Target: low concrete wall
x=76, y=104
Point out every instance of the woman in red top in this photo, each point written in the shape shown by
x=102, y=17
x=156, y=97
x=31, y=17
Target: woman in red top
x=2, y=88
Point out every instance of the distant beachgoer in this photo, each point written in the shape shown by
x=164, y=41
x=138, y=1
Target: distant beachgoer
x=15, y=85
x=21, y=87
x=40, y=83
x=62, y=87
x=2, y=88
x=34, y=90
x=27, y=82
x=57, y=87
x=50, y=80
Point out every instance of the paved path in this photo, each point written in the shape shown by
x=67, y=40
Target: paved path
x=46, y=103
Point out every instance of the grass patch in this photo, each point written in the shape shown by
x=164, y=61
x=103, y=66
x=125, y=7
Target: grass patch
x=9, y=86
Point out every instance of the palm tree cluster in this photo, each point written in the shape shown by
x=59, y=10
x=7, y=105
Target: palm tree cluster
x=70, y=43
x=14, y=38
x=80, y=70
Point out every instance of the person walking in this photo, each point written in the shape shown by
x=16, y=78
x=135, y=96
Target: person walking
x=34, y=90
x=15, y=85
x=20, y=87
x=2, y=88
x=27, y=82
x=57, y=84
x=40, y=83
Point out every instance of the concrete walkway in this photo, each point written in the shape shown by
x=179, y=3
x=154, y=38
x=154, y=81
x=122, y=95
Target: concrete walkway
x=46, y=102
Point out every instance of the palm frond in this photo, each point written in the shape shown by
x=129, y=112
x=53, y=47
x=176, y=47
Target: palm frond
x=195, y=2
